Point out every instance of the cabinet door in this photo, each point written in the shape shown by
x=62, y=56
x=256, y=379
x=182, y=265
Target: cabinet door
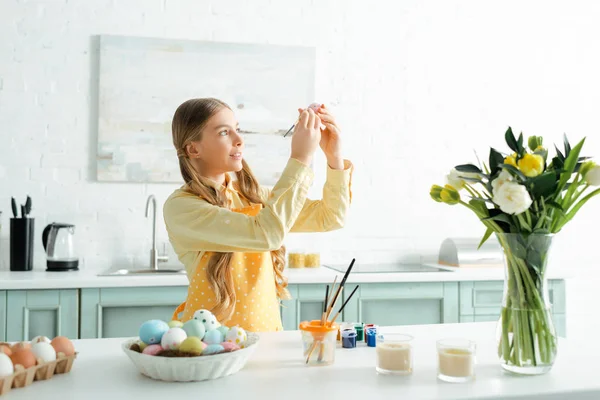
x=482, y=301
x=50, y=313
x=306, y=304
x=2, y=316
x=119, y=312
x=388, y=304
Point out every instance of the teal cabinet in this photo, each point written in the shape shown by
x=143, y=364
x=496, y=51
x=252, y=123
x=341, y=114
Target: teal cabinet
x=119, y=312
x=306, y=304
x=2, y=316
x=51, y=313
x=482, y=301
x=387, y=304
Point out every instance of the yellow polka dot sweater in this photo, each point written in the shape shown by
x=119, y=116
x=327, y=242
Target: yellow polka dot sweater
x=198, y=229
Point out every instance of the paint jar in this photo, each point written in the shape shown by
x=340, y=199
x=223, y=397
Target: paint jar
x=348, y=338
x=394, y=354
x=318, y=342
x=371, y=336
x=366, y=327
x=344, y=326
x=456, y=360
x=360, y=333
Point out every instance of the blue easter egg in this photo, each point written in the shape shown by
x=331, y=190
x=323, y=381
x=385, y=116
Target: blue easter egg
x=151, y=332
x=223, y=329
x=213, y=337
x=193, y=327
x=213, y=349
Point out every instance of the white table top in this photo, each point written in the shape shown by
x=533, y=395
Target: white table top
x=40, y=279
x=276, y=371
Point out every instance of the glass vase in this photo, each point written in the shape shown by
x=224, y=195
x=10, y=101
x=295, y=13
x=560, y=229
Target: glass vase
x=527, y=342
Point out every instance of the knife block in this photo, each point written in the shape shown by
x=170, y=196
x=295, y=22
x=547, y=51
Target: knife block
x=21, y=243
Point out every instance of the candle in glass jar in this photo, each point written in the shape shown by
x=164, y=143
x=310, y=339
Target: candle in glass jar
x=394, y=354
x=456, y=360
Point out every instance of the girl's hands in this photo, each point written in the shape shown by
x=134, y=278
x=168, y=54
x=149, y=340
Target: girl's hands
x=306, y=137
x=331, y=142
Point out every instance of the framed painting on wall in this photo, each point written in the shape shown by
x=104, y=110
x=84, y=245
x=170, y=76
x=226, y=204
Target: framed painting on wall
x=143, y=80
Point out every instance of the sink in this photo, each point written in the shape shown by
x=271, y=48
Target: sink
x=137, y=272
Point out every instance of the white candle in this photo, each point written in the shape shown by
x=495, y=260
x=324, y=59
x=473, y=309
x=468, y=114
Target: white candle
x=456, y=360
x=394, y=354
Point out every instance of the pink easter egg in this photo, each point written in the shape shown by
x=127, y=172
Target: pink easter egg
x=229, y=346
x=315, y=106
x=153, y=349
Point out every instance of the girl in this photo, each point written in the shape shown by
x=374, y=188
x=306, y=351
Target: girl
x=229, y=233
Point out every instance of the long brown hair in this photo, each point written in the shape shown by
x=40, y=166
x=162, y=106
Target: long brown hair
x=188, y=122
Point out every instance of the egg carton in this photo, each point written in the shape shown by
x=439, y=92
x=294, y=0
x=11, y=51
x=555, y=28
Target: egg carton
x=40, y=372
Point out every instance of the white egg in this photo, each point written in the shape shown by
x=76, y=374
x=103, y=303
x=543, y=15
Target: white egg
x=172, y=338
x=40, y=339
x=6, y=365
x=237, y=335
x=45, y=351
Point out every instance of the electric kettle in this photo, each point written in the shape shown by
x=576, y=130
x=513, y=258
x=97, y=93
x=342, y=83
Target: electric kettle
x=58, y=244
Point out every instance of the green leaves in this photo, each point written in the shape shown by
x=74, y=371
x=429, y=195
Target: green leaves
x=511, y=141
x=496, y=161
x=570, y=164
x=515, y=171
x=534, y=142
x=469, y=168
x=543, y=185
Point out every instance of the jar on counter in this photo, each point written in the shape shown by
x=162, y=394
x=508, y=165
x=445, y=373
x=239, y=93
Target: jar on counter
x=312, y=260
x=296, y=259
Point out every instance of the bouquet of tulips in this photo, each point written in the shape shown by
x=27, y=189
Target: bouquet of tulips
x=524, y=197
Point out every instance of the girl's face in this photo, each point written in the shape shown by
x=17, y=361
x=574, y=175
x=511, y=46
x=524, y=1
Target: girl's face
x=220, y=148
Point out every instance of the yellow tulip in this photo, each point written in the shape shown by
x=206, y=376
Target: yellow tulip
x=511, y=160
x=435, y=193
x=531, y=165
x=449, y=195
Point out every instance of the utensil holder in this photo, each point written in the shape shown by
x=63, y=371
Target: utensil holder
x=21, y=243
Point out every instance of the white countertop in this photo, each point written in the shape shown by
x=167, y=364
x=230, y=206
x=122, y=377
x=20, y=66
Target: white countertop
x=276, y=370
x=39, y=279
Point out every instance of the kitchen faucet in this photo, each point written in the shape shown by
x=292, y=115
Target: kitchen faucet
x=155, y=258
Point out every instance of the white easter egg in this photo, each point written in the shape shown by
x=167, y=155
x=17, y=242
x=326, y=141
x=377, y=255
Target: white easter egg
x=43, y=350
x=237, y=335
x=208, y=319
x=173, y=338
x=40, y=339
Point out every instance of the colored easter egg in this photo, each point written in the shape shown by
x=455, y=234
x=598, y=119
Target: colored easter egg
x=207, y=318
x=229, y=346
x=237, y=335
x=173, y=338
x=213, y=337
x=151, y=332
x=213, y=349
x=192, y=345
x=153, y=349
x=193, y=327
x=175, y=324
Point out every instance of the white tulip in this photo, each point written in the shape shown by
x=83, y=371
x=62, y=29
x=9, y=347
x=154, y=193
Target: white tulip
x=454, y=178
x=593, y=176
x=502, y=178
x=512, y=198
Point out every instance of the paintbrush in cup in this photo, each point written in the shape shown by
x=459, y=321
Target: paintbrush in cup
x=340, y=288
x=343, y=305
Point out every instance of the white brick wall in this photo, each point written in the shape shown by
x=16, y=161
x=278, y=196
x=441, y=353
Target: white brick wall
x=416, y=85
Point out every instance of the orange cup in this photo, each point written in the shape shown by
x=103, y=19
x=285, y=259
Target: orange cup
x=319, y=342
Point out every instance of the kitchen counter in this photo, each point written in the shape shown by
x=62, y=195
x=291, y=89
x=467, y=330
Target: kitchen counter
x=276, y=370
x=39, y=279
